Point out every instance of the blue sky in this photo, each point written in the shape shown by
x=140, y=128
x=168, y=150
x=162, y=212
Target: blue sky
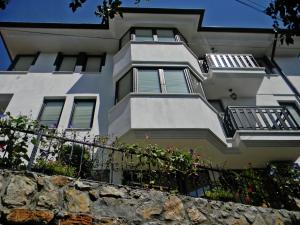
x=229, y=13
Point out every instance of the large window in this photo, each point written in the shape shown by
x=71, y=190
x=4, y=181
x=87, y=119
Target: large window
x=89, y=63
x=83, y=114
x=293, y=110
x=51, y=112
x=22, y=62
x=158, y=80
x=151, y=35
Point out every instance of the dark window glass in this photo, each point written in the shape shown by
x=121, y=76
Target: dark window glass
x=124, y=86
x=293, y=110
x=93, y=64
x=51, y=112
x=143, y=35
x=23, y=63
x=83, y=114
x=148, y=81
x=175, y=81
x=165, y=35
x=68, y=63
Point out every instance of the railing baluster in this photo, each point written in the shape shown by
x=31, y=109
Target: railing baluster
x=250, y=61
x=282, y=122
x=287, y=118
x=269, y=113
x=253, y=111
x=261, y=113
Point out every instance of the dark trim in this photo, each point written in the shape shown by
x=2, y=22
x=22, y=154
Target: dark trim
x=63, y=100
x=81, y=60
x=161, y=10
x=59, y=59
x=5, y=46
x=219, y=101
x=36, y=57
x=117, y=85
x=54, y=25
x=236, y=30
x=76, y=100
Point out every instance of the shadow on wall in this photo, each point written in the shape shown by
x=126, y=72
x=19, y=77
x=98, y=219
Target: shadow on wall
x=100, y=84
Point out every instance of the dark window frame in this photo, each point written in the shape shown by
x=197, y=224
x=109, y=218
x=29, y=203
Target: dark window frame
x=101, y=64
x=16, y=59
x=44, y=105
x=94, y=100
x=59, y=59
x=177, y=35
x=134, y=76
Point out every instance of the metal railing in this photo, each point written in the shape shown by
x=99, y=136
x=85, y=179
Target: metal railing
x=258, y=118
x=229, y=61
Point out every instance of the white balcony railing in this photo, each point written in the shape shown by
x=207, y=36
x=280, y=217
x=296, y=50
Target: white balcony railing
x=229, y=61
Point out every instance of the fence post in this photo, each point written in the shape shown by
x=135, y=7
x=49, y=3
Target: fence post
x=35, y=149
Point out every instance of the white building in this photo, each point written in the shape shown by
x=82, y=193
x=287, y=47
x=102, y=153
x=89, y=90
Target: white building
x=158, y=74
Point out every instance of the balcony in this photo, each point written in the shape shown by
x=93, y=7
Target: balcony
x=271, y=118
x=232, y=71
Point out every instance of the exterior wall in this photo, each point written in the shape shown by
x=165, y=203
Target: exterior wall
x=30, y=89
x=291, y=67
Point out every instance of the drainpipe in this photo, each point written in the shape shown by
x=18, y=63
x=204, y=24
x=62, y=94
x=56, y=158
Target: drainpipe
x=284, y=77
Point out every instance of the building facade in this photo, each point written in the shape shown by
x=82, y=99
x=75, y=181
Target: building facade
x=159, y=76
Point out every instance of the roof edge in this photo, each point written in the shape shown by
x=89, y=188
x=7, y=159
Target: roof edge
x=162, y=10
x=237, y=29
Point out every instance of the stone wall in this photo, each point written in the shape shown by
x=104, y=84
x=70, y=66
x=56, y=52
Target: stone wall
x=30, y=198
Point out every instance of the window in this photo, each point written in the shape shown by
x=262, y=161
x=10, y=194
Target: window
x=83, y=114
x=93, y=64
x=124, y=86
x=165, y=35
x=175, y=81
x=293, y=110
x=143, y=35
x=67, y=63
x=22, y=62
x=154, y=80
x=148, y=81
x=151, y=35
x=50, y=113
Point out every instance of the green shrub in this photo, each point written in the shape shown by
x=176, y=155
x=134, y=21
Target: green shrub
x=219, y=194
x=54, y=168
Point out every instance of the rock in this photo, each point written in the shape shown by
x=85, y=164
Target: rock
x=148, y=210
x=259, y=221
x=195, y=215
x=60, y=181
x=110, y=221
x=1, y=182
x=18, y=191
x=93, y=195
x=77, y=201
x=297, y=202
x=110, y=191
x=173, y=209
x=24, y=216
x=48, y=199
x=234, y=221
x=81, y=186
x=250, y=216
x=81, y=219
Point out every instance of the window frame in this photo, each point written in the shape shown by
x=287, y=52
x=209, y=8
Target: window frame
x=94, y=100
x=63, y=100
x=178, y=37
x=134, y=80
x=18, y=56
x=85, y=60
x=59, y=60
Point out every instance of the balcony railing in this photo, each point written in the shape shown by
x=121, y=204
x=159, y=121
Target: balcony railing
x=229, y=61
x=258, y=118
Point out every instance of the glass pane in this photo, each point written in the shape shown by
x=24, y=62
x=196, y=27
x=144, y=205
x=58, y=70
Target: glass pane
x=93, y=64
x=68, y=63
x=82, y=114
x=196, y=84
x=143, y=35
x=165, y=35
x=175, y=81
x=24, y=63
x=148, y=81
x=51, y=113
x=124, y=86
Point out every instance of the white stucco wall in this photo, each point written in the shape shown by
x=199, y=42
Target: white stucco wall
x=30, y=89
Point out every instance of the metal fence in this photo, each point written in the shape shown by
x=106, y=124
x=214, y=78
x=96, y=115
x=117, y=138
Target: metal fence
x=90, y=158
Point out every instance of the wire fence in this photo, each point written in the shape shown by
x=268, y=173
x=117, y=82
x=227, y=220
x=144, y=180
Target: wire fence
x=89, y=157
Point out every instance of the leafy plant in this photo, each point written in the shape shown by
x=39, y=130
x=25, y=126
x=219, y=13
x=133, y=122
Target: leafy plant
x=220, y=194
x=54, y=168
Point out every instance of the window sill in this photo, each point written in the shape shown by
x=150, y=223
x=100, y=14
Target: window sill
x=63, y=72
x=90, y=73
x=79, y=129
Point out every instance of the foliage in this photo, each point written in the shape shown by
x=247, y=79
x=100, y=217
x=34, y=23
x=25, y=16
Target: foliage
x=77, y=157
x=14, y=144
x=287, y=13
x=220, y=194
x=3, y=3
x=54, y=168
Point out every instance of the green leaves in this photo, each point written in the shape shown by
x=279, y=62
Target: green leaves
x=75, y=4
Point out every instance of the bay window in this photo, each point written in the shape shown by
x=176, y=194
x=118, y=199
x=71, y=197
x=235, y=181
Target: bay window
x=158, y=81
